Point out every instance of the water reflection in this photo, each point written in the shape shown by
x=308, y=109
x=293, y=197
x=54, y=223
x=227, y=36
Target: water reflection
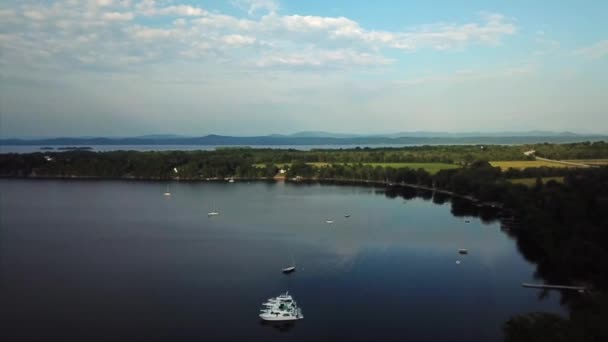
x=279, y=326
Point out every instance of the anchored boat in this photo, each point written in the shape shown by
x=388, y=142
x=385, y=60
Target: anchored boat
x=281, y=308
x=214, y=212
x=288, y=269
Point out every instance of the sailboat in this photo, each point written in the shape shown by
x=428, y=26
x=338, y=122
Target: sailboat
x=167, y=192
x=214, y=212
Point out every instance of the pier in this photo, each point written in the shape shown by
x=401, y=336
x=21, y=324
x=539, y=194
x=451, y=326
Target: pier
x=555, y=287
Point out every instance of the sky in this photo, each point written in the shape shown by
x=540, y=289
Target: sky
x=255, y=67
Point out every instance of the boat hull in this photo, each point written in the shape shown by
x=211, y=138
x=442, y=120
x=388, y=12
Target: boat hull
x=288, y=270
x=271, y=318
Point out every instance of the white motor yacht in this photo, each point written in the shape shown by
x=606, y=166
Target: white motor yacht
x=283, y=298
x=281, y=308
x=280, y=315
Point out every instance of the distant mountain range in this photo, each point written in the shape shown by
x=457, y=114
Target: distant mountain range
x=425, y=134
x=319, y=138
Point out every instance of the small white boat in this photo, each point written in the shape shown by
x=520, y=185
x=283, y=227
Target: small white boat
x=329, y=221
x=231, y=180
x=289, y=269
x=167, y=192
x=214, y=212
x=347, y=215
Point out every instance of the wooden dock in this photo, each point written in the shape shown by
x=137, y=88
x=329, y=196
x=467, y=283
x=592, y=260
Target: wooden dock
x=555, y=287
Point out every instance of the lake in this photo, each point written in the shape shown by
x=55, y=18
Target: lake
x=117, y=260
x=144, y=148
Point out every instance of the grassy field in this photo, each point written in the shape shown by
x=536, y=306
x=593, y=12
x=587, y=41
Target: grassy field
x=532, y=181
x=505, y=165
x=431, y=168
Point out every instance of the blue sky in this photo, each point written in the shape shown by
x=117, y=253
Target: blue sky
x=248, y=67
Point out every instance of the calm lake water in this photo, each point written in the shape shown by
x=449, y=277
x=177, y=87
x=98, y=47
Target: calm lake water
x=118, y=261
x=143, y=148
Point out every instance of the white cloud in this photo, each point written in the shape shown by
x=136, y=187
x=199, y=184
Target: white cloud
x=307, y=23
x=6, y=38
x=254, y=6
x=52, y=33
x=447, y=36
x=117, y=16
x=320, y=58
x=595, y=51
x=34, y=15
x=149, y=8
x=6, y=13
x=438, y=36
x=147, y=33
x=103, y=3
x=238, y=40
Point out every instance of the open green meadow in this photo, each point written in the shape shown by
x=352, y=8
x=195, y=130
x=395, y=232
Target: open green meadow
x=431, y=168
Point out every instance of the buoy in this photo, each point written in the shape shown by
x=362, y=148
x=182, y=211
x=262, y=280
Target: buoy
x=457, y=262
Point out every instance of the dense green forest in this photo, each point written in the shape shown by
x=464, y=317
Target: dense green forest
x=584, y=150
x=242, y=162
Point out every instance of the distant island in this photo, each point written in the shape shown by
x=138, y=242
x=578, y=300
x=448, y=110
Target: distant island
x=319, y=138
x=74, y=148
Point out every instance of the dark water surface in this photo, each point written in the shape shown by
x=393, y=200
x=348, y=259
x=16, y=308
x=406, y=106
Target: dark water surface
x=118, y=261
